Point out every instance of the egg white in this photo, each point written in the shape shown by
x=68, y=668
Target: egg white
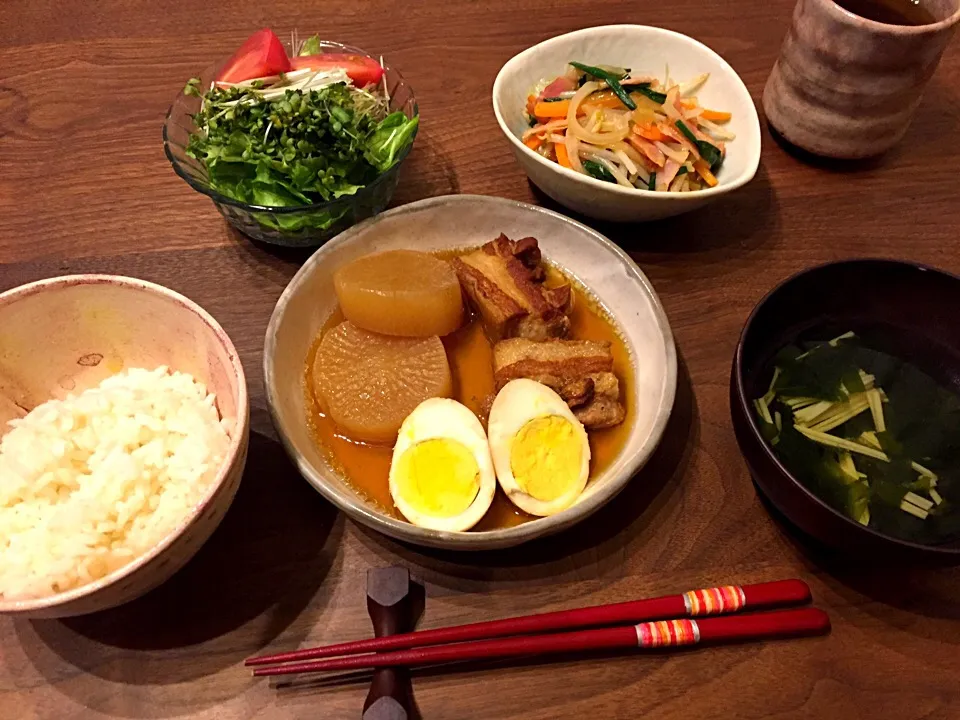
x=442, y=418
x=519, y=402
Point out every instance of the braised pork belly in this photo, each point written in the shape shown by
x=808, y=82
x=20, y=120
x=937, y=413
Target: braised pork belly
x=580, y=371
x=504, y=280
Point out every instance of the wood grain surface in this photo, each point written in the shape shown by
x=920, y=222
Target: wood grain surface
x=84, y=186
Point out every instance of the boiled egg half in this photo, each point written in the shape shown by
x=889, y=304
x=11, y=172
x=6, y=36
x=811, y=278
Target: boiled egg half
x=540, y=450
x=441, y=474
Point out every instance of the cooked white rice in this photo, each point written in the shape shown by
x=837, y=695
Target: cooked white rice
x=90, y=482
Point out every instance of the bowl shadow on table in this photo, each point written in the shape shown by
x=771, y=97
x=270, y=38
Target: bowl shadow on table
x=929, y=591
x=934, y=118
x=268, y=558
x=833, y=165
x=429, y=171
x=735, y=224
x=608, y=532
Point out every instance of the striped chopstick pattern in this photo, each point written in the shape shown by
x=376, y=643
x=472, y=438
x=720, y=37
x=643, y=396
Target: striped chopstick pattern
x=710, y=601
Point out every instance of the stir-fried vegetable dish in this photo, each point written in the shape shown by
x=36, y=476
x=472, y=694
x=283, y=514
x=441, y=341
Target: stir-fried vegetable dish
x=627, y=128
x=283, y=131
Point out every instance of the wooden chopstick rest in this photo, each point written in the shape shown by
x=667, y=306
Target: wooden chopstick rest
x=395, y=603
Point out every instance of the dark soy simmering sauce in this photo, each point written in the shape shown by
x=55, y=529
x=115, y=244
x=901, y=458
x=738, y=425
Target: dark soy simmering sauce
x=890, y=12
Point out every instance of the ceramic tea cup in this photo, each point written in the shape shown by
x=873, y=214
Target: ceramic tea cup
x=846, y=86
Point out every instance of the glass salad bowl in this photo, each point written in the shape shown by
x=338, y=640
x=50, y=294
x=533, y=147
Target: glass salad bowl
x=294, y=226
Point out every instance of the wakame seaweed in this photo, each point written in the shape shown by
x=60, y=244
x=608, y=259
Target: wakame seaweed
x=899, y=475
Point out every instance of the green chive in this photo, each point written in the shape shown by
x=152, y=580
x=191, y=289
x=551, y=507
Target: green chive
x=658, y=97
x=599, y=171
x=612, y=81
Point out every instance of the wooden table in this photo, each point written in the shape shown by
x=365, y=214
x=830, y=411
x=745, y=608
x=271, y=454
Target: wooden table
x=85, y=187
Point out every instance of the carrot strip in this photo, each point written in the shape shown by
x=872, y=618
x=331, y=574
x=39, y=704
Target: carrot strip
x=562, y=157
x=704, y=171
x=531, y=104
x=715, y=115
x=556, y=109
x=650, y=132
x=533, y=142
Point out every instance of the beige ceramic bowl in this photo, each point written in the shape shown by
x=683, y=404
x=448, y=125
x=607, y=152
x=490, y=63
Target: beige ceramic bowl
x=69, y=333
x=462, y=221
x=646, y=50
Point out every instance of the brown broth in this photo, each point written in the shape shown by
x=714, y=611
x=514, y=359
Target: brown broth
x=890, y=12
x=366, y=467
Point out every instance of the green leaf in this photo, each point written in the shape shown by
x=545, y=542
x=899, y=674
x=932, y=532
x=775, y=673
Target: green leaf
x=192, y=87
x=297, y=222
x=311, y=46
x=394, y=133
x=858, y=502
x=852, y=381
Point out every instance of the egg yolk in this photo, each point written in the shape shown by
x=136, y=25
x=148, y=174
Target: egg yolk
x=438, y=477
x=545, y=457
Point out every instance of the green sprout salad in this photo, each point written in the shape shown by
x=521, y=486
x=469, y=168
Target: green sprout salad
x=308, y=135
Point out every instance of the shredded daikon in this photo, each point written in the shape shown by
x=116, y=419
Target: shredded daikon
x=626, y=161
x=691, y=86
x=720, y=133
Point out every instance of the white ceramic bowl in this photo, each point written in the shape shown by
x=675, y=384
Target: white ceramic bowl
x=463, y=221
x=68, y=334
x=646, y=50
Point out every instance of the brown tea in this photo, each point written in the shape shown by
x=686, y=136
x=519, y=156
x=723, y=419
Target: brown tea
x=890, y=12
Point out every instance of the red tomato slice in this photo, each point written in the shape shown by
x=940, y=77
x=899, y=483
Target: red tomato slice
x=261, y=55
x=361, y=69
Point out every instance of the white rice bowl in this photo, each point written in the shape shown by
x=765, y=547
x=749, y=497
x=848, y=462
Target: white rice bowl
x=91, y=482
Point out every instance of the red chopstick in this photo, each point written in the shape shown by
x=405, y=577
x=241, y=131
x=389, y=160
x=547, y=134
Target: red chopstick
x=719, y=600
x=660, y=634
